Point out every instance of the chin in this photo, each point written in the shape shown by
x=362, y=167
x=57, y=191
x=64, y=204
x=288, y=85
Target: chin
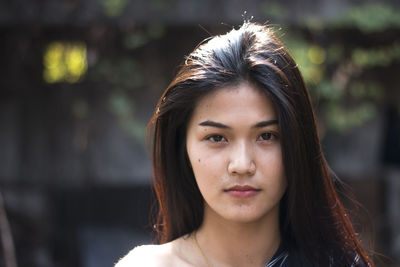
x=250, y=216
x=245, y=220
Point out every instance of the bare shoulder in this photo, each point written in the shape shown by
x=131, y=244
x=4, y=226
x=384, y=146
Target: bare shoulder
x=175, y=253
x=146, y=255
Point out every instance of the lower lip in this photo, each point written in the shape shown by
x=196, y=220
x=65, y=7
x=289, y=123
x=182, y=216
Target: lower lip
x=242, y=194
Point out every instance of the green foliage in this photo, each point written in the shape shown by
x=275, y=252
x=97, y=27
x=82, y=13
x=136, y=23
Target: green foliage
x=135, y=40
x=328, y=90
x=344, y=118
x=274, y=10
x=139, y=38
x=113, y=8
x=334, y=53
x=366, y=90
x=377, y=56
x=309, y=57
x=345, y=99
x=334, y=73
x=120, y=73
x=123, y=75
x=161, y=5
x=370, y=17
x=122, y=106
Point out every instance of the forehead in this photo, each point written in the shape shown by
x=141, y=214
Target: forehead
x=240, y=101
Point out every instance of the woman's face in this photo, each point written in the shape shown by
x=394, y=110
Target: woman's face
x=235, y=153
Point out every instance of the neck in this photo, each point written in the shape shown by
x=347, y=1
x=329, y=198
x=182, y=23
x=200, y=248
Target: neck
x=227, y=243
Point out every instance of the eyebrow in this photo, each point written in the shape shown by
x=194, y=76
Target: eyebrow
x=223, y=126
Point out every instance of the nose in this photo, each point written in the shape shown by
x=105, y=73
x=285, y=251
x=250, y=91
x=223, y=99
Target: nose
x=241, y=161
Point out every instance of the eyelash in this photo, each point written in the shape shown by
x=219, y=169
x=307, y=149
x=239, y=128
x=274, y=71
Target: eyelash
x=211, y=138
x=271, y=136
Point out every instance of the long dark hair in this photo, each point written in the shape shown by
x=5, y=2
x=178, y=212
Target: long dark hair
x=314, y=224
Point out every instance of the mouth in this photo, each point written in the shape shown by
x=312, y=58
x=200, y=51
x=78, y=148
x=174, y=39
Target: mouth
x=242, y=191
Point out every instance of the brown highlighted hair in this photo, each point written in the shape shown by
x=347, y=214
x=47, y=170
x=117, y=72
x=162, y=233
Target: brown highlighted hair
x=314, y=225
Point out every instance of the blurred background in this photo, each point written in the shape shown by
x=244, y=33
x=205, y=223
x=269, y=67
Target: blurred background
x=79, y=82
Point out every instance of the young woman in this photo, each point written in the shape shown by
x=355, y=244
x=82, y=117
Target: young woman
x=238, y=168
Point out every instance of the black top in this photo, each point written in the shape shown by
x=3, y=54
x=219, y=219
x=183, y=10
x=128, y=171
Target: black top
x=282, y=258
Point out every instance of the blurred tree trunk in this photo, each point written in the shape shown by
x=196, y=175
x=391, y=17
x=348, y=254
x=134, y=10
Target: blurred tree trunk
x=6, y=237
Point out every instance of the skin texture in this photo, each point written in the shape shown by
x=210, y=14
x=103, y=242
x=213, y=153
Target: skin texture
x=243, y=148
x=240, y=154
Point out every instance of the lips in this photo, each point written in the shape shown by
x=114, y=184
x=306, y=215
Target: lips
x=242, y=191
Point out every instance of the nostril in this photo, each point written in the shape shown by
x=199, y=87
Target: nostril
x=242, y=168
x=241, y=160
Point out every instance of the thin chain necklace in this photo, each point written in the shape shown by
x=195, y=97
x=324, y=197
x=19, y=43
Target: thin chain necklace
x=272, y=263
x=200, y=250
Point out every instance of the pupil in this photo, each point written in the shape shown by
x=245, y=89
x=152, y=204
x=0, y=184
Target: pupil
x=217, y=138
x=267, y=136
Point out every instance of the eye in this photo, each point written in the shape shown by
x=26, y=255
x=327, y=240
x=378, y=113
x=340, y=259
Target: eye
x=216, y=138
x=268, y=136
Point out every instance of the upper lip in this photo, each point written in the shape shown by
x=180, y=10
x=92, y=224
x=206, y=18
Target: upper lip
x=242, y=188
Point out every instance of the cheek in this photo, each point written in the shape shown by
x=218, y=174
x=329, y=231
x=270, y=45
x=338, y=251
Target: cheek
x=272, y=167
x=207, y=167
